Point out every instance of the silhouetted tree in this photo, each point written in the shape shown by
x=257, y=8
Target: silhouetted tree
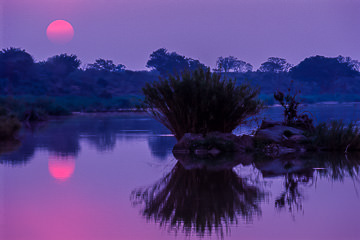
x=169, y=63
x=275, y=65
x=106, y=65
x=232, y=63
x=120, y=68
x=15, y=65
x=62, y=65
x=324, y=70
x=102, y=65
x=353, y=64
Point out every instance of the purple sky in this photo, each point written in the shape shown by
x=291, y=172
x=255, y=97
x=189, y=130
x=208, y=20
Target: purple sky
x=128, y=31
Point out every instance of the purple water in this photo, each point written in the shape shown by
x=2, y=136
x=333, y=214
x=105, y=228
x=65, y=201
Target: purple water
x=83, y=177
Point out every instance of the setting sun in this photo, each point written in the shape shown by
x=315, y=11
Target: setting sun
x=60, y=32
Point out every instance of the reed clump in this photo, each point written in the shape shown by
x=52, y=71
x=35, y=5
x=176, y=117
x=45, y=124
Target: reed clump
x=337, y=136
x=200, y=102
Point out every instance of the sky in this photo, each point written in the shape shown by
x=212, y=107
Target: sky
x=128, y=31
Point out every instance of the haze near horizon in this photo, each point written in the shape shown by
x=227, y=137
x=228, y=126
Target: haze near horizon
x=127, y=32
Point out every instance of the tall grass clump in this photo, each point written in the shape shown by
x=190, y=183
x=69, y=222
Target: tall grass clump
x=337, y=136
x=200, y=102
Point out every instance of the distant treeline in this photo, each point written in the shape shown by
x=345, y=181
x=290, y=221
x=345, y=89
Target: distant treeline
x=318, y=76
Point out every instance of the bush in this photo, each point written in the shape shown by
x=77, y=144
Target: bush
x=9, y=127
x=200, y=102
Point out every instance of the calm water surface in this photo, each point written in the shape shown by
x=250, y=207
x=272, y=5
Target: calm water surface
x=113, y=176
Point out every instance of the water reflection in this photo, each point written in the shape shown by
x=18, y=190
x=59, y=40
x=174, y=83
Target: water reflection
x=61, y=167
x=18, y=153
x=196, y=200
x=292, y=196
x=199, y=201
x=300, y=172
x=62, y=136
x=160, y=146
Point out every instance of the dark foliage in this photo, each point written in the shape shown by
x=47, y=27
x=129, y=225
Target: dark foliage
x=106, y=66
x=337, y=79
x=171, y=63
x=200, y=102
x=232, y=64
x=326, y=71
x=290, y=102
x=275, y=65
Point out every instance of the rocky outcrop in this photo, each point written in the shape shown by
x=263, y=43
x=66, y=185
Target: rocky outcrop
x=213, y=143
x=222, y=150
x=276, y=132
x=275, y=139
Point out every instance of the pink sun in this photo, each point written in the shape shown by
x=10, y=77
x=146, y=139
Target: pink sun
x=60, y=32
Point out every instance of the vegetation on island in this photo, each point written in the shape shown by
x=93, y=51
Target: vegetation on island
x=32, y=90
x=200, y=102
x=325, y=136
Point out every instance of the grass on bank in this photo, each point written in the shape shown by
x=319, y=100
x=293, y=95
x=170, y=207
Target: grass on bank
x=39, y=107
x=337, y=136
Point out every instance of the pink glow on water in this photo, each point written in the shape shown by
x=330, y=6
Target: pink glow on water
x=61, y=167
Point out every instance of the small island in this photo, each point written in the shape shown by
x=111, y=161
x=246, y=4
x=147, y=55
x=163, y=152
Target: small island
x=202, y=109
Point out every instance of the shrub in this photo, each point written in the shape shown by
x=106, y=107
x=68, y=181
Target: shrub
x=200, y=102
x=290, y=102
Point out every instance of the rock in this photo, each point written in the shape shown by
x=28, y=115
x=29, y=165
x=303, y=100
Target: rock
x=298, y=138
x=268, y=124
x=184, y=144
x=276, y=133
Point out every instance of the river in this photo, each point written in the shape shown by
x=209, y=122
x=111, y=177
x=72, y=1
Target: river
x=113, y=176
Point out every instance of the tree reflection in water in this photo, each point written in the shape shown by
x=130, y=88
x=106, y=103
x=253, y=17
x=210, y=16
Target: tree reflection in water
x=292, y=197
x=332, y=166
x=198, y=201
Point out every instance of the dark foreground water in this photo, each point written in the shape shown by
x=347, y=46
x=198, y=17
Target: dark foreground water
x=109, y=176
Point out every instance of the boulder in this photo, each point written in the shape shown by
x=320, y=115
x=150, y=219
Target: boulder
x=298, y=138
x=276, y=133
x=184, y=144
x=268, y=124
